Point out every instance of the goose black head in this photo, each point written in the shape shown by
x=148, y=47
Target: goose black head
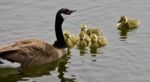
x=64, y=12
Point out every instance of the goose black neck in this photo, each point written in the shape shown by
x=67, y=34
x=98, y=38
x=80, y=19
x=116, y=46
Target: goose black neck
x=60, y=42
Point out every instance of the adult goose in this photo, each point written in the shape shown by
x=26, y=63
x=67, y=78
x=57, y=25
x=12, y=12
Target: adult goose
x=30, y=52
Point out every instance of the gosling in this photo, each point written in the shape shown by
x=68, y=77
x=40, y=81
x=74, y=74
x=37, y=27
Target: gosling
x=84, y=29
x=98, y=41
x=94, y=43
x=82, y=41
x=129, y=23
x=70, y=40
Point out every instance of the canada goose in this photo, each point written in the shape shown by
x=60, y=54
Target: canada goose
x=70, y=40
x=82, y=41
x=31, y=52
x=129, y=23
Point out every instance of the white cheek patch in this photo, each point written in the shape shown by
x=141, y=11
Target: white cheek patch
x=64, y=16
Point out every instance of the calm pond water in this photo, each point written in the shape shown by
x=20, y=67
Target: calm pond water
x=124, y=59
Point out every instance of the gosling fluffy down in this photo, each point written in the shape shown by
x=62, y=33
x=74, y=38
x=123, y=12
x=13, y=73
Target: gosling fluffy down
x=98, y=41
x=129, y=23
x=88, y=30
x=70, y=39
x=102, y=41
x=94, y=44
x=82, y=41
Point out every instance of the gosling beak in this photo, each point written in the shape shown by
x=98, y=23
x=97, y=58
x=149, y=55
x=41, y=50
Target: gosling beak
x=119, y=21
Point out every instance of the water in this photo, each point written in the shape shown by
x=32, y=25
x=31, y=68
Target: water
x=124, y=59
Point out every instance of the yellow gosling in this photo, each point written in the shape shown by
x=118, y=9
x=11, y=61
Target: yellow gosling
x=70, y=40
x=84, y=29
x=82, y=42
x=94, y=43
x=129, y=23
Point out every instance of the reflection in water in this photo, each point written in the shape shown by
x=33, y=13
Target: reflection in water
x=83, y=52
x=14, y=75
x=93, y=50
x=98, y=52
x=124, y=32
x=9, y=75
x=62, y=69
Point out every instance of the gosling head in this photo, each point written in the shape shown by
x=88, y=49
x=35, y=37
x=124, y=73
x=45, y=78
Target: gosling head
x=67, y=34
x=64, y=12
x=83, y=27
x=93, y=37
x=123, y=19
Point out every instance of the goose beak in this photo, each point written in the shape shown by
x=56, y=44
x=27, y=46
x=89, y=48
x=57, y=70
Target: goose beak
x=71, y=11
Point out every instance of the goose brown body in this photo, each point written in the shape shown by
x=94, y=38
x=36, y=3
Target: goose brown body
x=31, y=52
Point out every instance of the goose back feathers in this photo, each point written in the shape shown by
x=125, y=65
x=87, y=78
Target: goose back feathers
x=31, y=52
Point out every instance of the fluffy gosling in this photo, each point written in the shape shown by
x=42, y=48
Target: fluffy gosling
x=97, y=42
x=84, y=29
x=82, y=42
x=70, y=40
x=129, y=23
x=94, y=44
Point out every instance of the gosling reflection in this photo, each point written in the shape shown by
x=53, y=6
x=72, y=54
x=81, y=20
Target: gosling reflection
x=123, y=33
